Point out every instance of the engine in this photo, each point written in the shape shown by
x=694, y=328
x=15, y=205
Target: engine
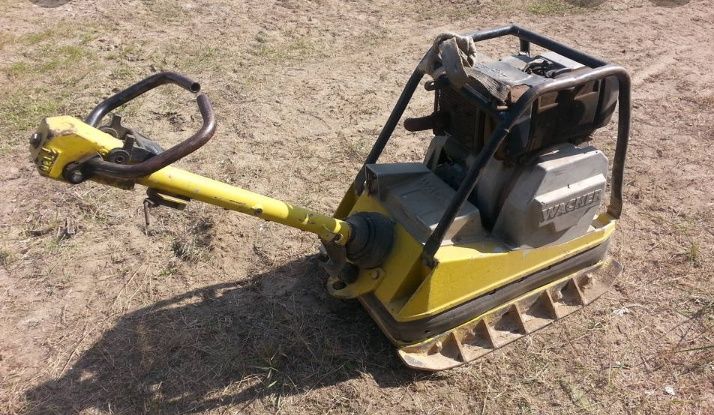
x=545, y=185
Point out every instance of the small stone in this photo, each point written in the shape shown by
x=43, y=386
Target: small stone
x=621, y=311
x=11, y=173
x=669, y=390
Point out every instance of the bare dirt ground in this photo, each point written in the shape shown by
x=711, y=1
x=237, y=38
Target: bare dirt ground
x=221, y=313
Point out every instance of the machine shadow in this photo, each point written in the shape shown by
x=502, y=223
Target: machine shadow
x=276, y=334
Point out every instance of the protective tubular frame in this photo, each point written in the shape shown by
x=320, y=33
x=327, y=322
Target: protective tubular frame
x=507, y=119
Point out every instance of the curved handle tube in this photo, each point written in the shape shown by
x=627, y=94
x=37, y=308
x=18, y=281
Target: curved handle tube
x=139, y=88
x=100, y=167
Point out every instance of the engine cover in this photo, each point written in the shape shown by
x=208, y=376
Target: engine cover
x=551, y=200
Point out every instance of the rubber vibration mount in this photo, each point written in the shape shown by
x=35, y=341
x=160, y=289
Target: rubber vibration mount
x=371, y=240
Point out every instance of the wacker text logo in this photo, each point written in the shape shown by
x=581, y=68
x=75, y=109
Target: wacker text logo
x=557, y=209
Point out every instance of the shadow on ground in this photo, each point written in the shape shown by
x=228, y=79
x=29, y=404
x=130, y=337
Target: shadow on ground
x=226, y=344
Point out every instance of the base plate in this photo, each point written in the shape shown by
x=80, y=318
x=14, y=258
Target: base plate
x=512, y=320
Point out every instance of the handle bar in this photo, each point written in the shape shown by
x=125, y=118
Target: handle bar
x=105, y=168
x=139, y=88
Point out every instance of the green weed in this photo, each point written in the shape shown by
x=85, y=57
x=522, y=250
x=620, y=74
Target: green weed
x=694, y=253
x=295, y=50
x=38, y=37
x=549, y=7
x=5, y=257
x=23, y=111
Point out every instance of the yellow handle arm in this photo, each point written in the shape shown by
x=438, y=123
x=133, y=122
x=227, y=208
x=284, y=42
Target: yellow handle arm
x=176, y=181
x=64, y=140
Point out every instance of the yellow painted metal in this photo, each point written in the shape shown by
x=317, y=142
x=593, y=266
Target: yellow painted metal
x=407, y=288
x=401, y=264
x=512, y=320
x=402, y=256
x=468, y=271
x=193, y=186
x=411, y=291
x=68, y=139
x=366, y=282
x=347, y=203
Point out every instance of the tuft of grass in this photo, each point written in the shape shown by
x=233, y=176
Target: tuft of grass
x=58, y=64
x=358, y=148
x=6, y=39
x=124, y=72
x=53, y=55
x=577, y=396
x=586, y=3
x=128, y=52
x=5, y=257
x=166, y=11
x=64, y=56
x=30, y=101
x=694, y=254
x=23, y=111
x=194, y=243
x=550, y=7
x=170, y=269
x=261, y=37
x=184, y=250
x=34, y=38
x=295, y=50
x=18, y=69
x=207, y=58
x=669, y=3
x=524, y=407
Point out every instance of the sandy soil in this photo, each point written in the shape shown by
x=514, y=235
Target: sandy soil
x=222, y=313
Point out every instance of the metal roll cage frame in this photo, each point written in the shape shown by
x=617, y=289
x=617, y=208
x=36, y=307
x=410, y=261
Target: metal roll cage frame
x=507, y=119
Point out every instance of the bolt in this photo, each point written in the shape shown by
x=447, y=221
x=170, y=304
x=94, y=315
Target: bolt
x=76, y=176
x=73, y=173
x=118, y=156
x=349, y=273
x=375, y=273
x=35, y=140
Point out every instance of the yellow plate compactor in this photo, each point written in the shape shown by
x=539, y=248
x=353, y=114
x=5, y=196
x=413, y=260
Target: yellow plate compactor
x=498, y=233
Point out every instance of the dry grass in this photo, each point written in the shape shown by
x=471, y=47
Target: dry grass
x=211, y=312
